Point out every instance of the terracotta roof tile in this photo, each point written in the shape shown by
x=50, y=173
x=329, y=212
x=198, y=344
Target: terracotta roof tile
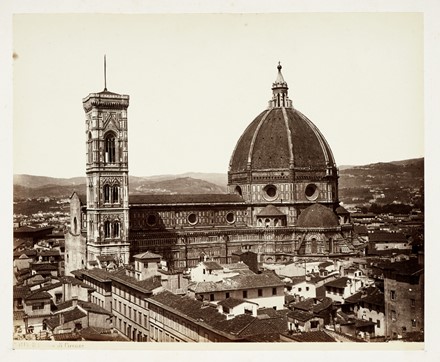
x=315, y=336
x=185, y=199
x=239, y=282
x=231, y=302
x=338, y=283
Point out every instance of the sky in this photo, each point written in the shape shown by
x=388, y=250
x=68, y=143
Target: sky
x=196, y=81
x=366, y=73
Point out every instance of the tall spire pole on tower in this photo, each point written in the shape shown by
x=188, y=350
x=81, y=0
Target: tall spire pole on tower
x=105, y=74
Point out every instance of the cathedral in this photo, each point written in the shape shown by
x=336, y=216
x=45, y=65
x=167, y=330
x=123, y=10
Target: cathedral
x=282, y=201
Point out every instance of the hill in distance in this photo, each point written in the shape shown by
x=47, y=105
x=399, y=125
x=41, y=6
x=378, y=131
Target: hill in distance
x=355, y=182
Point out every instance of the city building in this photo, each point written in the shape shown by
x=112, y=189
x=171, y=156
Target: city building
x=404, y=287
x=282, y=198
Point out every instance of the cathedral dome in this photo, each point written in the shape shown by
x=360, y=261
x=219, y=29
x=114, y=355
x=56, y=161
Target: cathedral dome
x=317, y=216
x=281, y=138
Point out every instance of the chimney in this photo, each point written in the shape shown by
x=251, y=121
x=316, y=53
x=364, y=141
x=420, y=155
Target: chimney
x=74, y=301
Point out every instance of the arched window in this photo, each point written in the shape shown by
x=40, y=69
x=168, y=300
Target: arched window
x=75, y=225
x=314, y=246
x=106, y=193
x=116, y=230
x=238, y=191
x=107, y=229
x=115, y=194
x=110, y=149
x=89, y=148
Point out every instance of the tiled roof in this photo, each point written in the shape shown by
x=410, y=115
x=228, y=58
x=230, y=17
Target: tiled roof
x=341, y=210
x=371, y=295
x=325, y=264
x=235, y=266
x=69, y=316
x=20, y=291
x=212, y=265
x=145, y=286
x=38, y=295
x=51, y=286
x=27, y=229
x=338, y=283
x=406, y=267
x=70, y=336
x=67, y=279
x=100, y=334
x=29, y=252
x=231, y=302
x=360, y=229
x=319, y=216
x=300, y=315
x=100, y=275
x=270, y=211
x=238, y=282
x=93, y=308
x=298, y=279
x=147, y=255
x=265, y=326
x=315, y=305
x=277, y=139
x=315, y=336
x=381, y=236
x=186, y=199
x=52, y=252
x=238, y=327
x=43, y=266
x=87, y=306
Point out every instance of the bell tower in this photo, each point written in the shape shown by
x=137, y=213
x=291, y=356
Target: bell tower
x=107, y=175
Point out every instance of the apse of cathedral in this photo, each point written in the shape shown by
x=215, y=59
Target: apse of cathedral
x=282, y=201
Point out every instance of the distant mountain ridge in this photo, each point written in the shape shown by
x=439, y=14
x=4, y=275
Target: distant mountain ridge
x=354, y=182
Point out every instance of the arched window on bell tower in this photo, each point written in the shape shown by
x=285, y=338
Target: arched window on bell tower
x=89, y=149
x=115, y=194
x=116, y=229
x=110, y=149
x=106, y=193
x=107, y=229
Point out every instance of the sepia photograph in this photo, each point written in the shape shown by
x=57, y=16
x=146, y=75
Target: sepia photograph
x=252, y=177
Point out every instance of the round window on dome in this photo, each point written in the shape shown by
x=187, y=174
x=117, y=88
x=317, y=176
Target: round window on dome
x=151, y=220
x=270, y=192
x=192, y=219
x=230, y=217
x=312, y=192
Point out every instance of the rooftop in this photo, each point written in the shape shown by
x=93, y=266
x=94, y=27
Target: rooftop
x=238, y=282
x=185, y=199
x=68, y=316
x=315, y=336
x=147, y=255
x=237, y=328
x=338, y=283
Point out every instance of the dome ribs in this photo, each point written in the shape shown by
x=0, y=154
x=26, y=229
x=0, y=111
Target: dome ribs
x=240, y=154
x=254, y=137
x=329, y=160
x=305, y=144
x=289, y=139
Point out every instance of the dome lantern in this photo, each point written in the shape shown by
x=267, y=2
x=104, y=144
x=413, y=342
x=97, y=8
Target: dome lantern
x=280, y=96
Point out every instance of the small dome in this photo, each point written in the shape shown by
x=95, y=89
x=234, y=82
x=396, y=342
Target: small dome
x=270, y=211
x=317, y=216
